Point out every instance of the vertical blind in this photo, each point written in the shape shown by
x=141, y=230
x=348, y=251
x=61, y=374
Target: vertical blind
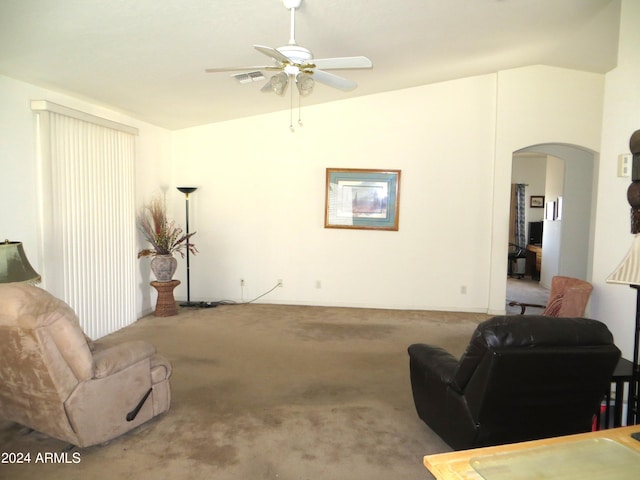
x=88, y=215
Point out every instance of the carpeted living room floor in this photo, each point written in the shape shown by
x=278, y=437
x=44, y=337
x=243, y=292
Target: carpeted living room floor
x=271, y=392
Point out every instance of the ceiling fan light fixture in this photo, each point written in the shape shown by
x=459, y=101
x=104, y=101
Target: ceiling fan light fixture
x=279, y=83
x=305, y=84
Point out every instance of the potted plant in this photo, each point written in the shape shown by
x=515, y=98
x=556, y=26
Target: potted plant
x=165, y=237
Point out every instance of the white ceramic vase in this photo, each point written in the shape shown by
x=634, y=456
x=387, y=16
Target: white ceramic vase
x=163, y=267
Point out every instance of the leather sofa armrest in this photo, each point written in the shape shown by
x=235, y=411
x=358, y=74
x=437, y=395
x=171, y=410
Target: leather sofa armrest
x=109, y=360
x=436, y=360
x=438, y=403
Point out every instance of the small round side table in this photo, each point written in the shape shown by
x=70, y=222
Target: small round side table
x=166, y=304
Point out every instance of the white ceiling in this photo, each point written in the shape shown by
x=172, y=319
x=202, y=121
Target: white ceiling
x=147, y=57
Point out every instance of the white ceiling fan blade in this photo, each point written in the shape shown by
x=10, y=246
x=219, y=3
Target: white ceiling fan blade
x=273, y=53
x=334, y=81
x=240, y=69
x=342, y=62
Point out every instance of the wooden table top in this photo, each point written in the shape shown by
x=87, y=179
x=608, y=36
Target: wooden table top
x=456, y=465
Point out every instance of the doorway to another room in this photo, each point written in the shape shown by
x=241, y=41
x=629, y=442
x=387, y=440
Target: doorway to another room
x=551, y=213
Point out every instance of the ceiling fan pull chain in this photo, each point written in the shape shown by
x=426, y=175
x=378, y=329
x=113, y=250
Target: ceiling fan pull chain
x=300, y=124
x=291, y=110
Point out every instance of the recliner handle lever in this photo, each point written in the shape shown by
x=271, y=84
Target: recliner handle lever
x=134, y=413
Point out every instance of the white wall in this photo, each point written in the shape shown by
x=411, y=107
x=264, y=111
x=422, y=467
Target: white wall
x=260, y=204
x=537, y=105
x=18, y=190
x=615, y=304
x=259, y=209
x=578, y=211
x=552, y=230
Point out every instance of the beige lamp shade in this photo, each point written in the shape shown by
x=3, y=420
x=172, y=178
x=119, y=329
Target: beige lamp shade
x=14, y=266
x=628, y=272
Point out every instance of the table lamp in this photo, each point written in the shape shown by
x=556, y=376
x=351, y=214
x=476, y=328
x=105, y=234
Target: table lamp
x=14, y=266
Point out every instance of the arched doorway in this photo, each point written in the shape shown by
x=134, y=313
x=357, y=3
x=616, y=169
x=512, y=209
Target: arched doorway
x=568, y=238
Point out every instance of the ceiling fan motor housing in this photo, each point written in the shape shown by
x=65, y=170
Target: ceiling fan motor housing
x=292, y=3
x=296, y=53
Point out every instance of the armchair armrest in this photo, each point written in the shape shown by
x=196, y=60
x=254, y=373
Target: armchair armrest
x=432, y=371
x=437, y=361
x=109, y=360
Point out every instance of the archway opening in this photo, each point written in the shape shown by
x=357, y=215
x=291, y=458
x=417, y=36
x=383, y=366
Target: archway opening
x=562, y=177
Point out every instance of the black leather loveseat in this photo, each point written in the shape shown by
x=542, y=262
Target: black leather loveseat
x=520, y=378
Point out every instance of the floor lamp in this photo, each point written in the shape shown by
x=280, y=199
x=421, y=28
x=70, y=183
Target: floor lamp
x=189, y=303
x=628, y=273
x=187, y=191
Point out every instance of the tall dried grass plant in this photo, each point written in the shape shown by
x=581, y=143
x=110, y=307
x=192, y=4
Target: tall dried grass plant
x=165, y=237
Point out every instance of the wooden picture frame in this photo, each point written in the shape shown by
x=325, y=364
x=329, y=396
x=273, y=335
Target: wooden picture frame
x=536, y=201
x=362, y=199
x=559, y=209
x=550, y=211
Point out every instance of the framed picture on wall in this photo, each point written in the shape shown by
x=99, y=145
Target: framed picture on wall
x=536, y=201
x=362, y=199
x=550, y=211
x=559, y=209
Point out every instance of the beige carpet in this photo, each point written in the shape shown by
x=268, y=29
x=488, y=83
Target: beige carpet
x=271, y=392
x=525, y=290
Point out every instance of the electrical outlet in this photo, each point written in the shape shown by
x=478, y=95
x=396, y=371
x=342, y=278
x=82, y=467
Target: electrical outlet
x=242, y=284
x=280, y=282
x=624, y=165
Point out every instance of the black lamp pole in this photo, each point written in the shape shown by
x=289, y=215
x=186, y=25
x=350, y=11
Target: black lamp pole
x=633, y=197
x=633, y=404
x=187, y=191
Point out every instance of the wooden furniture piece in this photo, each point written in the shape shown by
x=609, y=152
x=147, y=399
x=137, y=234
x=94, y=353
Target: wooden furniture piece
x=534, y=261
x=623, y=374
x=166, y=304
x=458, y=466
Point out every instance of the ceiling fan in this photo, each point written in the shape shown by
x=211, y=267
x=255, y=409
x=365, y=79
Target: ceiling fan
x=295, y=63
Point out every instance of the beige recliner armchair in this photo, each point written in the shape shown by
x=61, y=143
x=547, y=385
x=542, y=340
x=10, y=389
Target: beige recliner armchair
x=53, y=379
